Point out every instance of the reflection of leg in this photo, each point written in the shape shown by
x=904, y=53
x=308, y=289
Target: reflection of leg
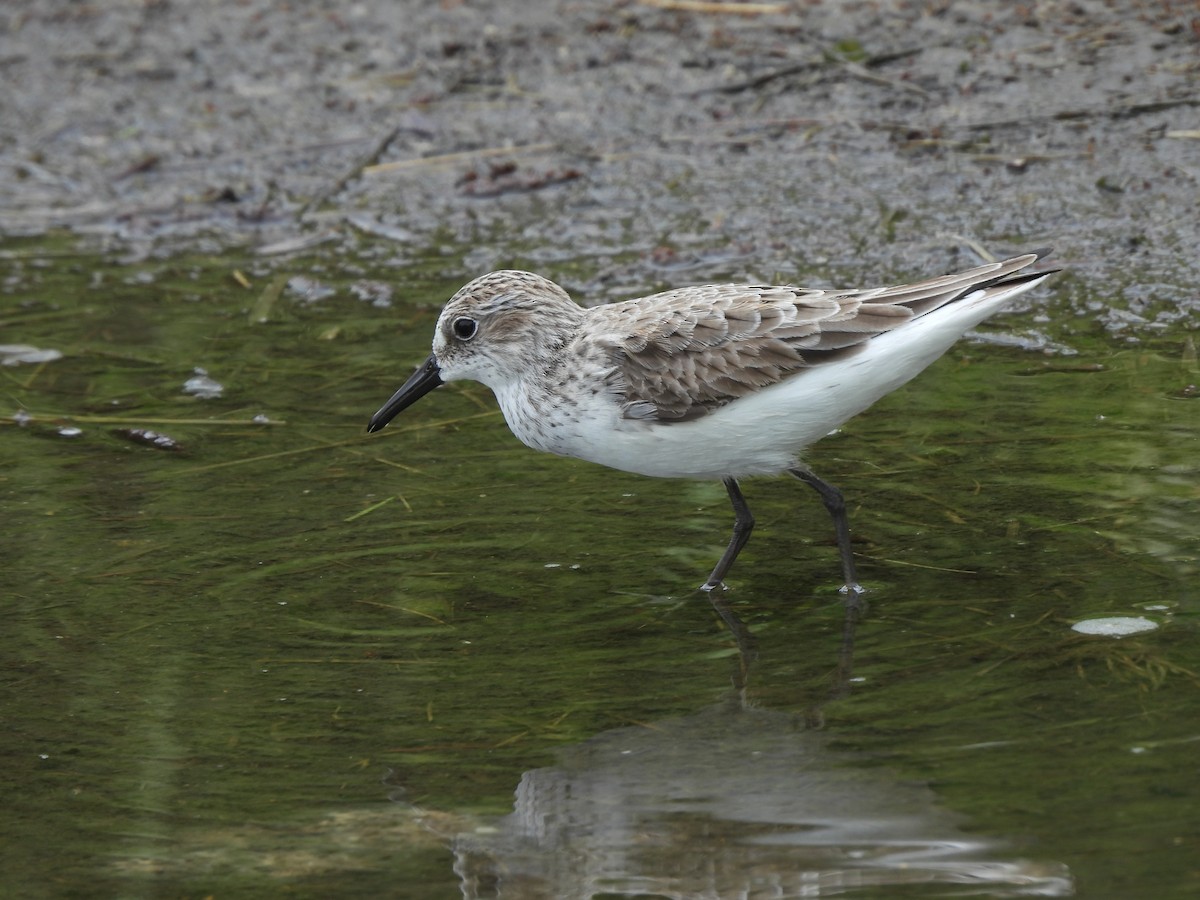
x=743, y=524
x=836, y=504
x=747, y=643
x=845, y=666
x=852, y=611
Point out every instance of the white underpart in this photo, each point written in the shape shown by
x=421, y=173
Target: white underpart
x=763, y=433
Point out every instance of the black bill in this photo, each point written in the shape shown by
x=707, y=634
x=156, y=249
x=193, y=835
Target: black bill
x=420, y=383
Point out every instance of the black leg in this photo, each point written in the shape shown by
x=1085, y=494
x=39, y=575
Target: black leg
x=836, y=504
x=743, y=524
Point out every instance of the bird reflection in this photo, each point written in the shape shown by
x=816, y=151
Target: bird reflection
x=732, y=801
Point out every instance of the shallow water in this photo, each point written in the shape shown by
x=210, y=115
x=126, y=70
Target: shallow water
x=282, y=656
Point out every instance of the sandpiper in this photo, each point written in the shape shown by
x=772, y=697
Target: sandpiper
x=713, y=381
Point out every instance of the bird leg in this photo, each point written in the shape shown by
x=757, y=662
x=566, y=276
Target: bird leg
x=743, y=524
x=836, y=504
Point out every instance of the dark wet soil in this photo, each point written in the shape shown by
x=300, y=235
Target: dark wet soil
x=852, y=140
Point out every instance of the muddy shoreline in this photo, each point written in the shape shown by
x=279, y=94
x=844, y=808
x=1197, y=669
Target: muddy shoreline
x=635, y=143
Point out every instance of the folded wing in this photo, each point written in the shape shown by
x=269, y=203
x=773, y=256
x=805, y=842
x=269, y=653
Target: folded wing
x=684, y=353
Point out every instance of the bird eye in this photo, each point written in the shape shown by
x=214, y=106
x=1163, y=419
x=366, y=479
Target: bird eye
x=464, y=328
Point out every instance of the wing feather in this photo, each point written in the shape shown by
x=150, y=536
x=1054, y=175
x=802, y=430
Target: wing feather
x=681, y=354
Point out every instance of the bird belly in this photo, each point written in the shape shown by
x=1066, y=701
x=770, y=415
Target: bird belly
x=592, y=428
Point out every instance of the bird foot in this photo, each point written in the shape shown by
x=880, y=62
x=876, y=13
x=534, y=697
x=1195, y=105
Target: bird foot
x=855, y=597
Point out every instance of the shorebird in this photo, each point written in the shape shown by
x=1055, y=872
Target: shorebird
x=717, y=381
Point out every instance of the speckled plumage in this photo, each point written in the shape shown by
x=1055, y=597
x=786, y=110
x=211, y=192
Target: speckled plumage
x=712, y=381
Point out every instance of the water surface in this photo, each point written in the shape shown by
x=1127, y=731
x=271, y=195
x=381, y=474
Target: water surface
x=272, y=654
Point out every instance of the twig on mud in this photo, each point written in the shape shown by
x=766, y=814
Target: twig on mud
x=1123, y=111
x=1015, y=161
x=506, y=178
x=859, y=70
x=708, y=6
x=355, y=171
x=452, y=158
x=974, y=246
x=743, y=132
x=856, y=68
x=295, y=244
x=1020, y=162
x=767, y=77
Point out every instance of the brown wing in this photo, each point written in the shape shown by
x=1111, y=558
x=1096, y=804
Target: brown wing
x=683, y=353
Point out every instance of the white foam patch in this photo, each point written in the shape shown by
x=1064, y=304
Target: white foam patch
x=1115, y=626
